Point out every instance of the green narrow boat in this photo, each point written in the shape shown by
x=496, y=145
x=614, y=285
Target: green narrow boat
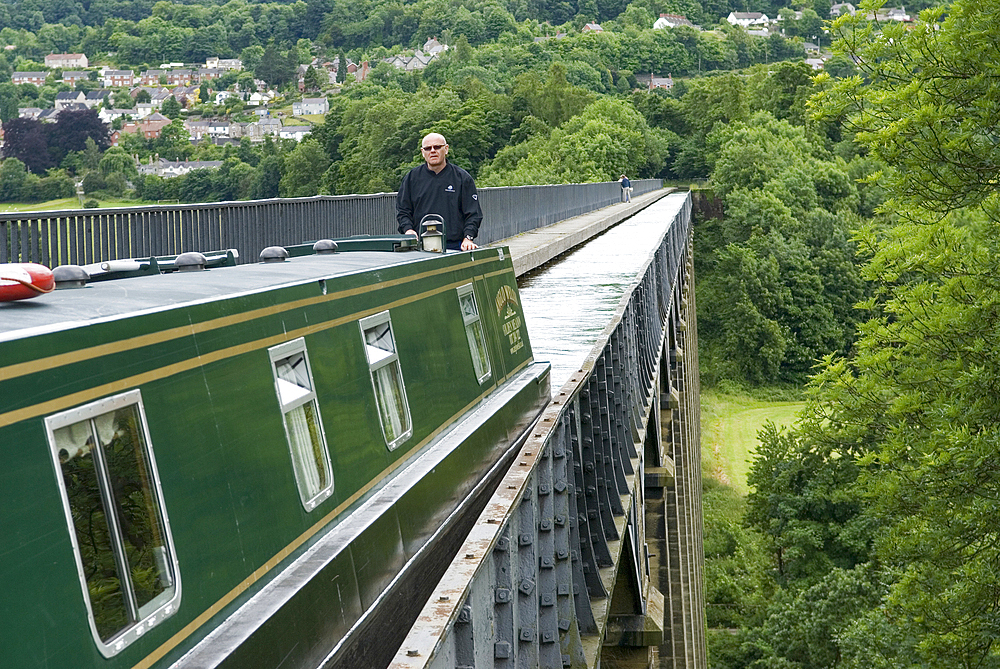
x=256, y=465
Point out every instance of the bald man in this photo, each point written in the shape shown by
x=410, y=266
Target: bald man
x=439, y=187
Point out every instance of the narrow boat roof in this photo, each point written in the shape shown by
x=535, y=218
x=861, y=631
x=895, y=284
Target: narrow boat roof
x=116, y=298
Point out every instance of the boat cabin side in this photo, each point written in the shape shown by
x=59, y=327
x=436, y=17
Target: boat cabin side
x=164, y=461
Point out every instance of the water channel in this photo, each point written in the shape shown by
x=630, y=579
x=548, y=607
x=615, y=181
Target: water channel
x=569, y=301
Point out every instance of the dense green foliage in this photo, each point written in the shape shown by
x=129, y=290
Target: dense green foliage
x=523, y=95
x=880, y=505
x=778, y=274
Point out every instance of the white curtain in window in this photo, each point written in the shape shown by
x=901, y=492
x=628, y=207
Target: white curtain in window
x=389, y=393
x=304, y=439
x=480, y=360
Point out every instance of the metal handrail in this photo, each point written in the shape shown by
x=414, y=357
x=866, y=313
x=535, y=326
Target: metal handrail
x=85, y=236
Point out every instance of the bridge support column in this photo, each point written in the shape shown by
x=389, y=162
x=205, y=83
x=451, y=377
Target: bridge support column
x=673, y=510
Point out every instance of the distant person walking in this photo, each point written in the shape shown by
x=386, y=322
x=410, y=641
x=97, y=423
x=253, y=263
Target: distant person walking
x=439, y=187
x=626, y=189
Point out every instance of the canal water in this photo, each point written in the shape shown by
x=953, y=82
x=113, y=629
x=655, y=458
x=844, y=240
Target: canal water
x=570, y=300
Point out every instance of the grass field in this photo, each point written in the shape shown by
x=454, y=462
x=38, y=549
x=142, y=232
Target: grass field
x=729, y=426
x=64, y=203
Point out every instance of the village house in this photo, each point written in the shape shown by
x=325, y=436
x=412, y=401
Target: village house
x=224, y=63
x=175, y=168
x=64, y=60
x=179, y=77
x=72, y=76
x=747, y=19
x=109, y=114
x=259, y=98
x=211, y=129
x=433, y=47
x=36, y=78
x=665, y=83
x=651, y=81
x=296, y=132
x=592, y=28
x=97, y=97
x=149, y=127
x=417, y=61
x=892, y=14
x=842, y=8
x=269, y=126
x=218, y=128
x=209, y=73
x=68, y=98
x=197, y=129
x=310, y=106
x=151, y=77
x=186, y=95
x=671, y=21
x=72, y=106
x=119, y=78
x=359, y=72
x=28, y=112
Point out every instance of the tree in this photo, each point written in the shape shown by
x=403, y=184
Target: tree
x=174, y=142
x=921, y=105
x=312, y=80
x=24, y=139
x=276, y=68
x=341, y=68
x=607, y=139
x=90, y=155
x=251, y=57
x=8, y=101
x=268, y=177
x=72, y=129
x=143, y=96
x=122, y=99
x=116, y=161
x=916, y=399
x=303, y=170
x=12, y=179
x=171, y=108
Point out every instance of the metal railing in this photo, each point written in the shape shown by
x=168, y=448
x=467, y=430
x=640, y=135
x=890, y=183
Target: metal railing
x=84, y=236
x=555, y=568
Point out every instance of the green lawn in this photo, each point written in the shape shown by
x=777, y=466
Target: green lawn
x=64, y=203
x=729, y=425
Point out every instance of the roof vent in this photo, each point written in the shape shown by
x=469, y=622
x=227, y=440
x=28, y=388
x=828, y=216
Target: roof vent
x=274, y=254
x=325, y=246
x=192, y=261
x=70, y=276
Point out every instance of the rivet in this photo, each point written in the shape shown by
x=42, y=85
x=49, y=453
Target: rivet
x=413, y=653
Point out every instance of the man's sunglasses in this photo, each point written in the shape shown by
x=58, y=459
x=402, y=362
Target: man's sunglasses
x=436, y=147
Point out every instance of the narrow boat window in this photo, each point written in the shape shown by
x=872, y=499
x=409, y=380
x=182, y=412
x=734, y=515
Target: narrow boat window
x=387, y=378
x=474, y=332
x=118, y=523
x=303, y=427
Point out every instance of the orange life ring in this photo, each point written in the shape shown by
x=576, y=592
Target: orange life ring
x=21, y=281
